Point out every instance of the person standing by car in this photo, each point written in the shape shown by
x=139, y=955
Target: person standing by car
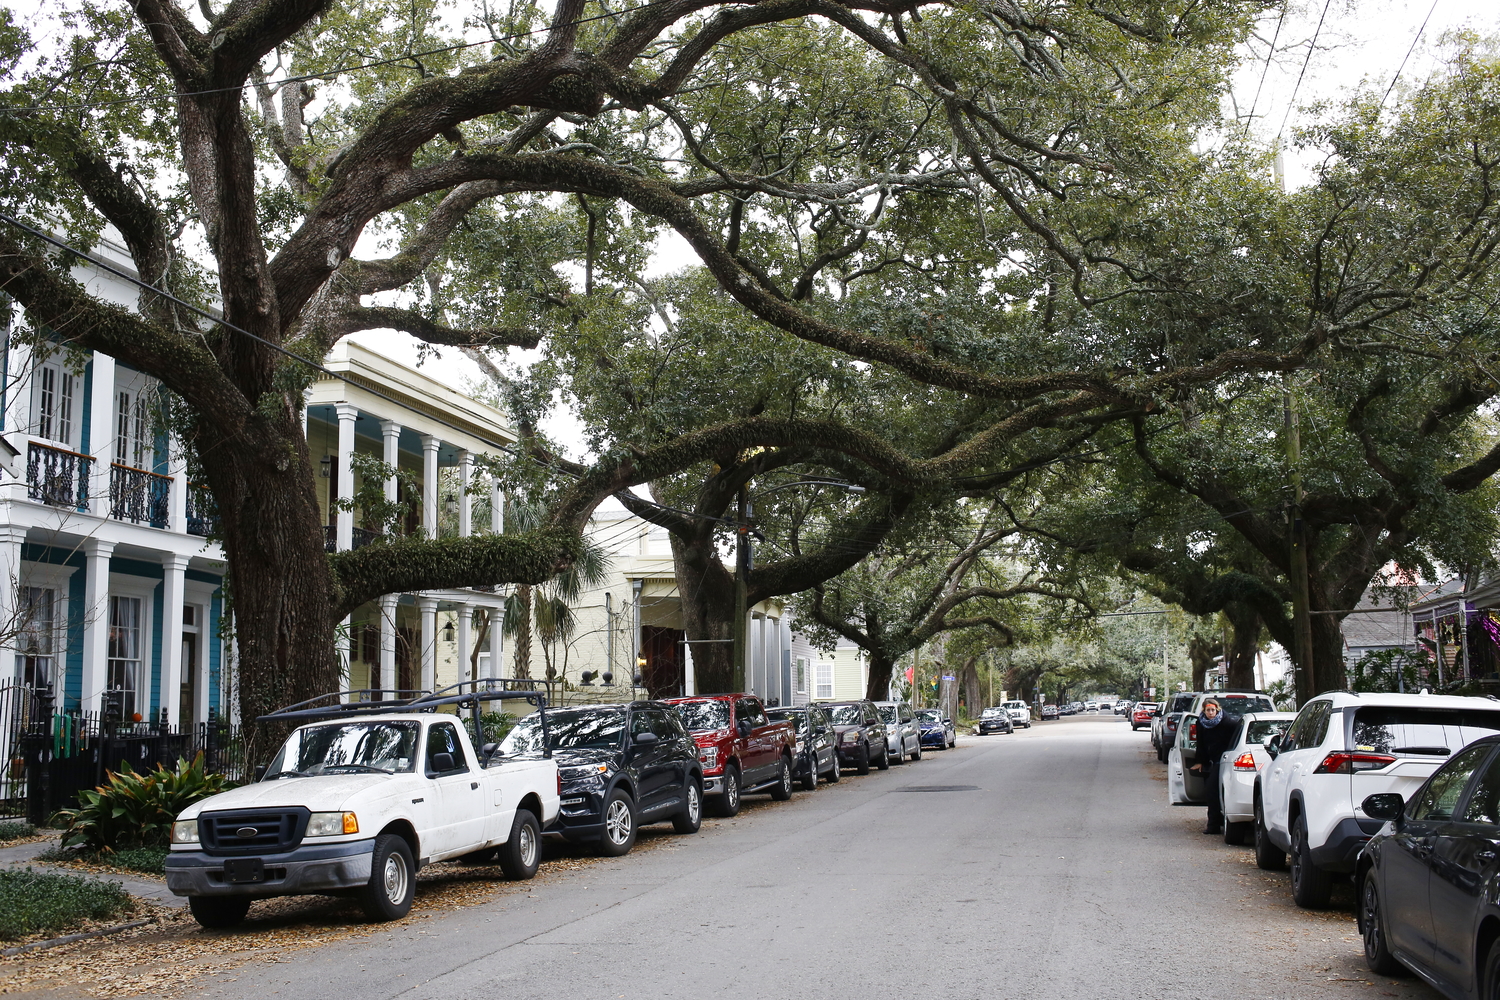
x=1215, y=735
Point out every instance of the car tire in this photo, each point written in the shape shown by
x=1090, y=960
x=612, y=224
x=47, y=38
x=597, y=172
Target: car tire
x=884, y=763
x=899, y=757
x=836, y=771
x=215, y=912
x=1377, y=950
x=1490, y=984
x=691, y=817
x=1268, y=857
x=1236, y=834
x=810, y=783
x=782, y=790
x=620, y=822
x=863, y=767
x=393, y=880
x=917, y=753
x=729, y=801
x=1312, y=887
x=521, y=855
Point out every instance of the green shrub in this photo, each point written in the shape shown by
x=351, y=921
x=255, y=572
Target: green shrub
x=136, y=810
x=151, y=860
x=16, y=831
x=33, y=902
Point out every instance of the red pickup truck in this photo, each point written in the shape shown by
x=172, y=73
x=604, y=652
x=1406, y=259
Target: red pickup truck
x=740, y=748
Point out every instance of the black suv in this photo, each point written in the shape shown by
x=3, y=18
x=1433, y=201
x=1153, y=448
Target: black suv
x=1164, y=732
x=619, y=766
x=860, y=733
x=816, y=755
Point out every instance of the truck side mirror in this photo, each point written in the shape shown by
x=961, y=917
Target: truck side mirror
x=442, y=762
x=260, y=772
x=645, y=739
x=745, y=727
x=489, y=750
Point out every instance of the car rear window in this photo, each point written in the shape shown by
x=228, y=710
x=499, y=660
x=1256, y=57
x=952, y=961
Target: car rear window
x=1182, y=702
x=1411, y=730
x=1241, y=704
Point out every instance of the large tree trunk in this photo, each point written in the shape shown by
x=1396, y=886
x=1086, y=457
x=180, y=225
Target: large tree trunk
x=1329, y=672
x=1243, y=645
x=279, y=583
x=706, y=596
x=970, y=679
x=878, y=686
x=1201, y=653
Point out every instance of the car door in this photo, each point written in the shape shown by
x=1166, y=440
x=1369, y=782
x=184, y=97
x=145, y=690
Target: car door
x=649, y=758
x=1463, y=858
x=461, y=810
x=1187, y=749
x=760, y=752
x=1279, y=776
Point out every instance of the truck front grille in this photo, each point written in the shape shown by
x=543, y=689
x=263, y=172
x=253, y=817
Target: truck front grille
x=274, y=830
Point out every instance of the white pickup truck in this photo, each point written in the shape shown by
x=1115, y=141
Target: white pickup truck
x=356, y=806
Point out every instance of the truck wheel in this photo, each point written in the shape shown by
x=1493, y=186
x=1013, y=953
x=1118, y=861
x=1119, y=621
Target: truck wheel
x=691, y=817
x=728, y=803
x=392, y=884
x=782, y=790
x=1312, y=887
x=619, y=825
x=884, y=763
x=1268, y=857
x=810, y=783
x=521, y=855
x=219, y=911
x=864, y=761
x=836, y=772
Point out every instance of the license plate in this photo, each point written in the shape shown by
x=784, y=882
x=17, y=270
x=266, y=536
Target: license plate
x=241, y=870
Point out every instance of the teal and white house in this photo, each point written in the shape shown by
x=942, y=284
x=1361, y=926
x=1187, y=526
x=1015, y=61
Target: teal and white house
x=109, y=584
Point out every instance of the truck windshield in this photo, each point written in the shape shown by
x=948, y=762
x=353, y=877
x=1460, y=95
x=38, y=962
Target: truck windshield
x=583, y=728
x=348, y=746
x=704, y=716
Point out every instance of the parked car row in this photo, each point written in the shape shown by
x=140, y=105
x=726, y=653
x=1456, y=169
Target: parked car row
x=356, y=805
x=1398, y=793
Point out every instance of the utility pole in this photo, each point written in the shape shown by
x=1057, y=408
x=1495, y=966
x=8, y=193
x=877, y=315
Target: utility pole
x=741, y=571
x=1302, y=656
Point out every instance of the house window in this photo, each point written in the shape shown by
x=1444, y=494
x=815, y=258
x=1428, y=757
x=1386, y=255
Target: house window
x=824, y=681
x=802, y=675
x=36, y=643
x=133, y=442
x=54, y=404
x=125, y=651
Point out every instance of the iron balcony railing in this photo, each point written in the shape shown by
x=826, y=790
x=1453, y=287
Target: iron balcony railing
x=139, y=496
x=202, y=512
x=361, y=538
x=57, y=476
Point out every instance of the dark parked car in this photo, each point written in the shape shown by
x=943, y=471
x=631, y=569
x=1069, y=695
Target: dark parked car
x=995, y=720
x=619, y=766
x=937, y=729
x=861, y=734
x=741, y=749
x=1427, y=880
x=1164, y=728
x=815, y=754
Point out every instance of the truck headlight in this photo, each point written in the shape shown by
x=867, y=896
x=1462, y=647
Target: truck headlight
x=709, y=758
x=332, y=824
x=185, y=831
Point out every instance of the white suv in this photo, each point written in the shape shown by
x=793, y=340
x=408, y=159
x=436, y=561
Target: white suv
x=1342, y=747
x=1019, y=712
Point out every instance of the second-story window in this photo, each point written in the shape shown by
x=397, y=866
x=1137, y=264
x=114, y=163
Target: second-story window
x=133, y=439
x=54, y=412
x=825, y=681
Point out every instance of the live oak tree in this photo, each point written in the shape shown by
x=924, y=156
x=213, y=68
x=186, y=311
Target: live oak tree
x=313, y=168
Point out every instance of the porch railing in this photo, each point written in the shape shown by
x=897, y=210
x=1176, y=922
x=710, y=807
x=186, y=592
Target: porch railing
x=202, y=512
x=139, y=496
x=57, y=476
x=361, y=538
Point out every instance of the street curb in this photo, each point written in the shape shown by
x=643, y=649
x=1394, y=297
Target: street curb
x=70, y=938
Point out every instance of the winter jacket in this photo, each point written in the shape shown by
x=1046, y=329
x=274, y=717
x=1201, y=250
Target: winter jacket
x=1214, y=742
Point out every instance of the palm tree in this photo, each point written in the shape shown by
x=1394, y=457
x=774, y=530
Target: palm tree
x=546, y=610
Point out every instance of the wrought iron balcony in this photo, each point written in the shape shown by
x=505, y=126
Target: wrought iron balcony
x=57, y=476
x=202, y=512
x=361, y=538
x=138, y=496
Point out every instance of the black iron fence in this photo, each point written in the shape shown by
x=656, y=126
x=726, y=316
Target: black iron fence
x=52, y=756
x=57, y=476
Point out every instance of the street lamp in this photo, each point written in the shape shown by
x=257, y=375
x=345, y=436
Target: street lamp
x=744, y=555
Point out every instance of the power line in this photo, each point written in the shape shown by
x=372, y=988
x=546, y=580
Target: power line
x=1292, y=103
x=1267, y=68
x=1417, y=38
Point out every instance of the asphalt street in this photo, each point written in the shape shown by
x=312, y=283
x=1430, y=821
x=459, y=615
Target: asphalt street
x=1044, y=864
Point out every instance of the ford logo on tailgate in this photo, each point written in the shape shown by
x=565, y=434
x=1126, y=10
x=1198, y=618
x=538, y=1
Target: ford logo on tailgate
x=246, y=832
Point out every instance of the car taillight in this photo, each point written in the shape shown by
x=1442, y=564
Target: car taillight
x=1245, y=762
x=1348, y=763
x=1193, y=732
x=559, y=783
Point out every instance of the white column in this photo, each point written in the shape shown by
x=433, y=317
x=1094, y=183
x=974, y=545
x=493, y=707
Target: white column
x=177, y=490
x=344, y=530
x=430, y=446
x=388, y=605
x=11, y=538
x=206, y=636
x=229, y=671
x=390, y=433
x=465, y=502
x=465, y=642
x=101, y=434
x=689, y=675
x=304, y=417
x=497, y=509
x=497, y=641
x=173, y=569
x=95, y=622
x=428, y=608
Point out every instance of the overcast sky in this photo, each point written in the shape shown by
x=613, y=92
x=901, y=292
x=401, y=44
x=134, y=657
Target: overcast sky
x=1359, y=42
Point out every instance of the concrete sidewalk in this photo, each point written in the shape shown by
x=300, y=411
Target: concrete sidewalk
x=25, y=855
